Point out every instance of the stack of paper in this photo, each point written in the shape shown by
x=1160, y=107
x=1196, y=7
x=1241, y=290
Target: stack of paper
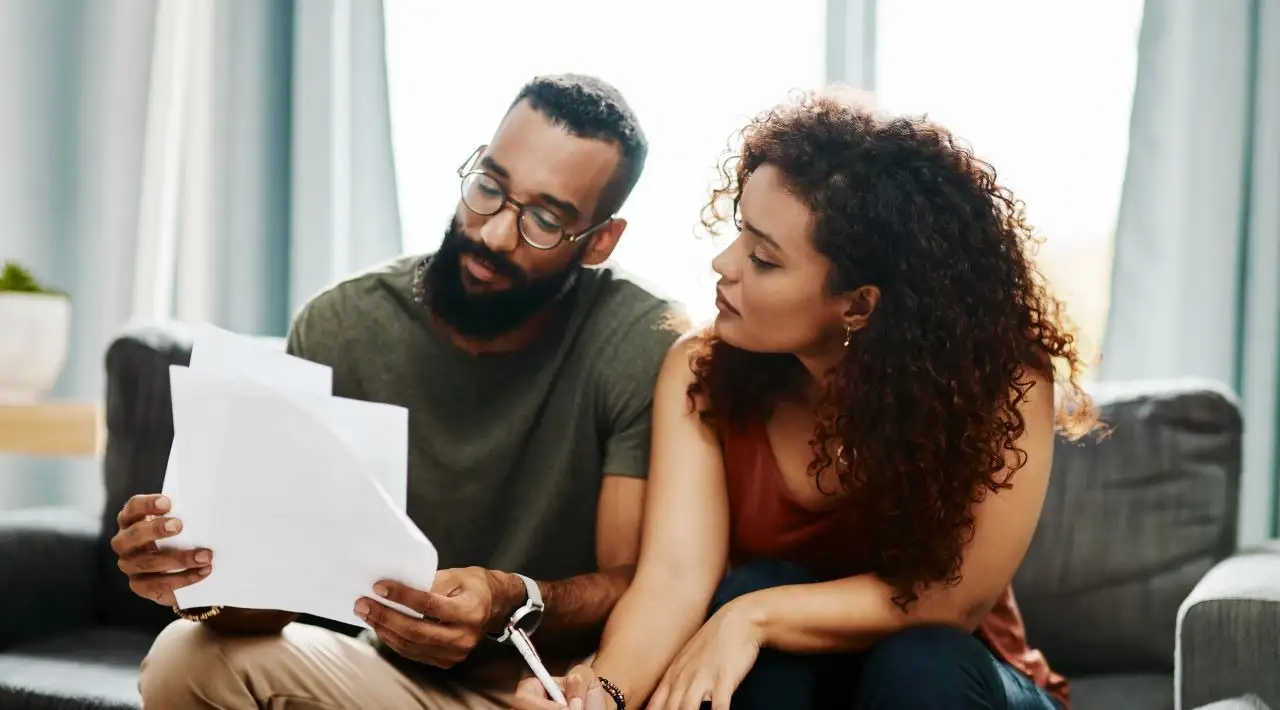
x=299, y=494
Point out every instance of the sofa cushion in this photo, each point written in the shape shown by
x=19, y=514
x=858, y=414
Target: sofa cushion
x=1123, y=692
x=1131, y=523
x=95, y=669
x=46, y=572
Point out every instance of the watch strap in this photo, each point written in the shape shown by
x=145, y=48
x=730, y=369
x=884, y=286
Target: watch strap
x=533, y=594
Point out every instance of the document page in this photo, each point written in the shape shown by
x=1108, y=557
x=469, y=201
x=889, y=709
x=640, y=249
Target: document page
x=220, y=352
x=299, y=494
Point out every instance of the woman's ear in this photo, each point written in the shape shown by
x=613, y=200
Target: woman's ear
x=862, y=303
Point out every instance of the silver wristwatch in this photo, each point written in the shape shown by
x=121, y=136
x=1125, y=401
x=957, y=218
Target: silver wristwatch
x=527, y=616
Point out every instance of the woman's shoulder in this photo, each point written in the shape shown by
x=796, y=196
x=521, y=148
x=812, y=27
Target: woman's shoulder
x=694, y=335
x=679, y=363
x=683, y=376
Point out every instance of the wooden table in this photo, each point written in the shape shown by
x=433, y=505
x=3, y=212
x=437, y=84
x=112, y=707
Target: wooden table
x=57, y=428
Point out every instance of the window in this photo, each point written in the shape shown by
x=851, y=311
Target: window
x=1043, y=92
x=693, y=73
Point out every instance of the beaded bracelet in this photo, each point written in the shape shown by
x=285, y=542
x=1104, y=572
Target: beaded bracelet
x=206, y=614
x=614, y=692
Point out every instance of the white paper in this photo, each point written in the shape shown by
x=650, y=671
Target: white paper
x=220, y=352
x=378, y=434
x=299, y=494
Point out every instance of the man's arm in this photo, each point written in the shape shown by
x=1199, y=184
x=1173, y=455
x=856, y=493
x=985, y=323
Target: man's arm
x=576, y=608
x=234, y=620
x=464, y=604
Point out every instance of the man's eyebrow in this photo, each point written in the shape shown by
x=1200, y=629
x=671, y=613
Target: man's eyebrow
x=494, y=167
x=568, y=208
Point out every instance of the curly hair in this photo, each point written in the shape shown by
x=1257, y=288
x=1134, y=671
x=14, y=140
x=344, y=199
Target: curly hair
x=923, y=409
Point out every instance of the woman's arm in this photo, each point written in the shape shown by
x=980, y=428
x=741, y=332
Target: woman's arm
x=854, y=613
x=684, y=543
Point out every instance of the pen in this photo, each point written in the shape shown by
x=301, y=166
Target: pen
x=522, y=643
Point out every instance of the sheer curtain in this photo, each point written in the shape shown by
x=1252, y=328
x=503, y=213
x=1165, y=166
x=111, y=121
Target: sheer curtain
x=211, y=160
x=454, y=68
x=1198, y=245
x=267, y=171
x=73, y=95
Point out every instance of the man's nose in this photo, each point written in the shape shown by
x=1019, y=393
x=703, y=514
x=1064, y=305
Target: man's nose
x=501, y=232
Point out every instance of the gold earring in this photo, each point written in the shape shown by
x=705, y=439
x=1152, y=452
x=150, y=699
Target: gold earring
x=848, y=335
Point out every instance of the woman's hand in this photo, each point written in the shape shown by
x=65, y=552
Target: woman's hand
x=580, y=686
x=712, y=664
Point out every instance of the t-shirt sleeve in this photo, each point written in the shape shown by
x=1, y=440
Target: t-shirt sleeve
x=293, y=342
x=311, y=332
x=300, y=341
x=627, y=378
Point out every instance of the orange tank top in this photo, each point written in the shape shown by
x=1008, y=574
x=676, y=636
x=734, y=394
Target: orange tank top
x=766, y=522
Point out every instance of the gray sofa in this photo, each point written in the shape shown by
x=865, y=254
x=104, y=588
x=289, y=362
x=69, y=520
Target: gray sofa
x=1135, y=528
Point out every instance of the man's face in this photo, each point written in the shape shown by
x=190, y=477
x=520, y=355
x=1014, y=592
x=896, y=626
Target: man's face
x=485, y=280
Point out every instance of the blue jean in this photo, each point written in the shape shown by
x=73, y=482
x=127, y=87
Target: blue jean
x=924, y=668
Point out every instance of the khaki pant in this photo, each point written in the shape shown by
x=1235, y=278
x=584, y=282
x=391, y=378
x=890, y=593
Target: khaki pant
x=302, y=668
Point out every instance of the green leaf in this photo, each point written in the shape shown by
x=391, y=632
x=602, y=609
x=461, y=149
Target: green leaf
x=16, y=278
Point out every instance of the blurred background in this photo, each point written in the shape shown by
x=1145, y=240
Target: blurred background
x=223, y=160
x=166, y=162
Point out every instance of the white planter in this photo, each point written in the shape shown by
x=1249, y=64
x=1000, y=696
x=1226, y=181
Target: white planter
x=34, y=333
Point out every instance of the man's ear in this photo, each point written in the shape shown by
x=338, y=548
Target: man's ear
x=861, y=303
x=603, y=242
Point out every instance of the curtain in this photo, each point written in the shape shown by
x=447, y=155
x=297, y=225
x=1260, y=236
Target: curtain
x=269, y=170
x=1197, y=246
x=205, y=160
x=850, y=52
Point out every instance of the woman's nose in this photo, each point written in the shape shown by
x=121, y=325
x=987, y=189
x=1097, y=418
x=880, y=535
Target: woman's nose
x=725, y=264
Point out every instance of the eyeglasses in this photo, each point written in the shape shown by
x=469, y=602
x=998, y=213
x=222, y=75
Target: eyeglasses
x=540, y=227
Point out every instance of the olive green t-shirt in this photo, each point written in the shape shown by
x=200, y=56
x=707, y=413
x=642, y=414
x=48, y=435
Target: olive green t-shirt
x=506, y=451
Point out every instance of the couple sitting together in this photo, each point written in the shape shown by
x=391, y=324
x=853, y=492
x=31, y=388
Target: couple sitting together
x=818, y=501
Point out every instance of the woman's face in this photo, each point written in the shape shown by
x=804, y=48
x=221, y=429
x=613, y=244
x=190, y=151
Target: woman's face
x=772, y=295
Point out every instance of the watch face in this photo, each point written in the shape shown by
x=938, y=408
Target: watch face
x=529, y=620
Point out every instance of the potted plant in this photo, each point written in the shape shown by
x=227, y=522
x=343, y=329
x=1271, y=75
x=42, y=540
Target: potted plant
x=35, y=326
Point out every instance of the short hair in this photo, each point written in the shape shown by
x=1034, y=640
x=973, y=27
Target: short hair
x=589, y=107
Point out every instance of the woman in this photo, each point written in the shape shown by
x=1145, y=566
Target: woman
x=863, y=439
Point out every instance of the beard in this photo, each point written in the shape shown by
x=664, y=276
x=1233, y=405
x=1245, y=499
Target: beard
x=488, y=315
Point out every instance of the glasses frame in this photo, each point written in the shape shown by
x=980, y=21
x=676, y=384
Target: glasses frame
x=468, y=168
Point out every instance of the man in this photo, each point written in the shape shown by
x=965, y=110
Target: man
x=528, y=377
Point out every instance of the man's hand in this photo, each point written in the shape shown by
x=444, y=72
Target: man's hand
x=154, y=573
x=462, y=606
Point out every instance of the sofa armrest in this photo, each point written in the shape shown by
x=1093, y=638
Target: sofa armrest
x=46, y=572
x=1244, y=702
x=1228, y=632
